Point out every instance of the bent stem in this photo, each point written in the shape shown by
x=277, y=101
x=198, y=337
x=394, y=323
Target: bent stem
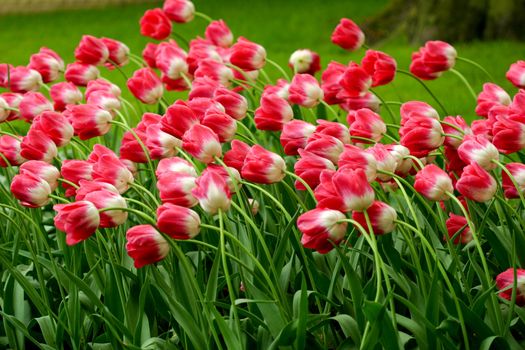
x=304, y=183
x=477, y=65
x=465, y=81
x=148, y=218
x=486, y=281
x=279, y=68
x=424, y=86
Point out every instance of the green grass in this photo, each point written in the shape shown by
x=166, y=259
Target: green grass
x=281, y=26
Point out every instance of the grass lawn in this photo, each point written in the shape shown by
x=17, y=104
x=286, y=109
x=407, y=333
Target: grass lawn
x=281, y=26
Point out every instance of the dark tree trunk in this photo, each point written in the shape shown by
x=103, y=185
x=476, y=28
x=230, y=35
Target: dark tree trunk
x=449, y=20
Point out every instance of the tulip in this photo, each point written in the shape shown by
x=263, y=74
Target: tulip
x=385, y=161
x=55, y=126
x=214, y=70
x=309, y=168
x=364, y=123
x=23, y=79
x=509, y=133
x=353, y=187
x=421, y=135
x=32, y=104
x=102, y=85
x=74, y=171
x=105, y=199
x=476, y=183
x=202, y=142
x=180, y=11
x=10, y=148
x=382, y=218
x=403, y=162
x=330, y=82
x=221, y=123
x=171, y=60
x=305, y=91
x=86, y=187
x=48, y=63
x=178, y=222
x=161, y=144
x=322, y=229
x=505, y=282
x=81, y=74
x=380, y=66
x=88, y=120
x=176, y=188
x=201, y=50
x=459, y=123
x=219, y=34
x=326, y=194
x=118, y=52
x=479, y=150
x=368, y=100
x=105, y=100
x=263, y=166
x=457, y=226
x=247, y=55
x=355, y=82
x=145, y=245
x=280, y=89
x=179, y=118
x=203, y=87
x=31, y=190
x=155, y=24
x=64, y=94
x=348, y=35
x=38, y=146
x=433, y=183
x=175, y=165
x=517, y=170
x=146, y=86
x=304, y=61
x=149, y=54
x=492, y=95
x=355, y=158
x=273, y=113
x=79, y=220
x=11, y=100
x=413, y=109
x=294, y=136
x=516, y=74
x=91, y=50
x=212, y=193
x=229, y=174
x=236, y=155
x=235, y=105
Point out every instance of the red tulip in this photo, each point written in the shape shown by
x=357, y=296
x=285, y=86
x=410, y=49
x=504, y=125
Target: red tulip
x=421, y=135
x=247, y=55
x=235, y=105
x=75, y=170
x=23, y=79
x=176, y=187
x=322, y=229
x=212, y=192
x=263, y=166
x=309, y=168
x=509, y=133
x=294, y=136
x=12, y=100
x=79, y=220
x=492, y=95
x=304, y=61
x=54, y=125
x=382, y=217
x=330, y=82
x=236, y=155
x=32, y=104
x=175, y=165
x=155, y=24
x=178, y=222
x=221, y=123
x=385, y=161
x=91, y=50
x=146, y=86
x=348, y=35
x=88, y=120
x=326, y=194
x=477, y=149
x=355, y=82
x=32, y=191
x=353, y=187
x=459, y=123
x=433, y=183
x=368, y=100
x=505, y=282
x=102, y=85
x=517, y=170
x=219, y=34
x=145, y=245
x=10, y=151
x=180, y=11
x=366, y=124
x=355, y=158
x=202, y=143
x=81, y=73
x=380, y=66
x=48, y=63
x=476, y=183
x=214, y=70
x=516, y=74
x=171, y=60
x=103, y=199
x=455, y=224
x=412, y=109
x=64, y=94
x=38, y=146
x=305, y=91
x=273, y=113
x=118, y=52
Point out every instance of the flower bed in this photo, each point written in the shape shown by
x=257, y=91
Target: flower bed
x=255, y=213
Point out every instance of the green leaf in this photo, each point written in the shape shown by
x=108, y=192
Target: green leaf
x=302, y=315
x=48, y=328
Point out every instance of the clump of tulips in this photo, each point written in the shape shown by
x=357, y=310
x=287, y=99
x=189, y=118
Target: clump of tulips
x=365, y=173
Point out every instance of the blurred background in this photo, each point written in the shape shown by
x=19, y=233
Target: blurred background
x=397, y=27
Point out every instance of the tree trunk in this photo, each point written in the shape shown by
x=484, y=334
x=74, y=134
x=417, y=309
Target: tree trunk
x=449, y=20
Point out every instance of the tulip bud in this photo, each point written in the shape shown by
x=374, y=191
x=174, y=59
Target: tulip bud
x=79, y=220
x=145, y=245
x=322, y=229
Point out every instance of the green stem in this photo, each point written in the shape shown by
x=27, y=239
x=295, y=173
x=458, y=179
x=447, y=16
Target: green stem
x=204, y=16
x=279, y=68
x=305, y=184
x=425, y=86
x=477, y=65
x=144, y=216
x=465, y=81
